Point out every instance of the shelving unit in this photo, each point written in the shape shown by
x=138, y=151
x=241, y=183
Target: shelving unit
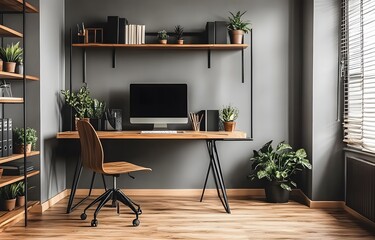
x=16, y=7
x=166, y=46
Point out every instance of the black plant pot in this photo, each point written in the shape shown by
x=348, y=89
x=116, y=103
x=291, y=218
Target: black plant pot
x=276, y=194
x=97, y=124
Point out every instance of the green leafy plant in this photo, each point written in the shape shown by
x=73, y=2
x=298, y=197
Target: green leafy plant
x=228, y=114
x=278, y=164
x=236, y=23
x=9, y=192
x=80, y=101
x=162, y=35
x=11, y=53
x=179, y=32
x=98, y=109
x=19, y=133
x=21, y=188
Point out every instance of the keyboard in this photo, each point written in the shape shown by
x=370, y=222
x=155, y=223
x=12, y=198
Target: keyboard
x=161, y=132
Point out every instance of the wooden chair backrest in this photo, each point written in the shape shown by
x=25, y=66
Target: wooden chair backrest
x=92, y=154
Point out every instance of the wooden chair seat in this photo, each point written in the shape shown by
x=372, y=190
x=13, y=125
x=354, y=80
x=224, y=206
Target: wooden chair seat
x=114, y=168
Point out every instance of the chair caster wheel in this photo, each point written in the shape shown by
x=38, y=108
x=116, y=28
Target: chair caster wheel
x=94, y=223
x=136, y=222
x=83, y=216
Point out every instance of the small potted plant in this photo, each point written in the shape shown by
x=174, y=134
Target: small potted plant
x=98, y=109
x=18, y=139
x=10, y=55
x=179, y=32
x=228, y=115
x=19, y=66
x=237, y=27
x=163, y=37
x=278, y=166
x=20, y=200
x=8, y=196
x=81, y=102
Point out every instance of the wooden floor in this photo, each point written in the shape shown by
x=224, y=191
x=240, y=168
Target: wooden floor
x=187, y=218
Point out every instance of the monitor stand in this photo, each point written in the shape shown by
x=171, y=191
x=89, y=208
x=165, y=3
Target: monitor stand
x=160, y=127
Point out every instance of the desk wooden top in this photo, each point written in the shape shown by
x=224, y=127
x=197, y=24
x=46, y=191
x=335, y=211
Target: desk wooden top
x=183, y=135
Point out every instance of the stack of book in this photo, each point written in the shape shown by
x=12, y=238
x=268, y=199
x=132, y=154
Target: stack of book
x=6, y=137
x=135, y=34
x=16, y=168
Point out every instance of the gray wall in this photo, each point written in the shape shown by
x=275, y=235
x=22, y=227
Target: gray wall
x=52, y=79
x=182, y=164
x=322, y=135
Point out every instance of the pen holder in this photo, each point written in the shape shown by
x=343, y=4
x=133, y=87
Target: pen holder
x=196, y=121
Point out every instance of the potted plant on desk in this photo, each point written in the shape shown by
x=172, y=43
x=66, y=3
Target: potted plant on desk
x=96, y=119
x=237, y=27
x=81, y=102
x=163, y=37
x=228, y=115
x=8, y=196
x=278, y=166
x=18, y=140
x=10, y=55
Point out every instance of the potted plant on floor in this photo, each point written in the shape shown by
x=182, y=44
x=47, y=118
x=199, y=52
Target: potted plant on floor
x=81, y=102
x=18, y=140
x=8, y=196
x=98, y=109
x=278, y=166
x=20, y=200
x=228, y=115
x=163, y=37
x=237, y=27
x=179, y=32
x=10, y=55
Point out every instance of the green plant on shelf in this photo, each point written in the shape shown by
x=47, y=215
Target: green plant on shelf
x=98, y=109
x=162, y=35
x=19, y=133
x=80, y=101
x=228, y=114
x=11, y=53
x=21, y=188
x=9, y=192
x=236, y=22
x=179, y=32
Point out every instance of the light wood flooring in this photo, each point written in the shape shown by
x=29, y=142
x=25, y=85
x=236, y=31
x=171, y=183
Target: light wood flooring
x=186, y=218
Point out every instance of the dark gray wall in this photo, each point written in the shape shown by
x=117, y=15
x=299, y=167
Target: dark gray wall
x=322, y=132
x=52, y=78
x=182, y=164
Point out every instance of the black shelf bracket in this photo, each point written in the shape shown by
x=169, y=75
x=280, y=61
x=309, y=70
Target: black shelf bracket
x=243, y=65
x=209, y=58
x=114, y=58
x=84, y=66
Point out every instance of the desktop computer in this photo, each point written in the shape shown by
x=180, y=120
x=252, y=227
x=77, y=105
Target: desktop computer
x=158, y=104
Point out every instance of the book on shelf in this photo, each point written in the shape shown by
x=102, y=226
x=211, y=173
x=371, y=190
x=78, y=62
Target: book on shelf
x=6, y=137
x=16, y=168
x=135, y=34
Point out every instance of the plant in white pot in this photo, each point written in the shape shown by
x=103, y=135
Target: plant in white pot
x=228, y=116
x=278, y=166
x=81, y=102
x=8, y=196
x=18, y=139
x=10, y=55
x=237, y=27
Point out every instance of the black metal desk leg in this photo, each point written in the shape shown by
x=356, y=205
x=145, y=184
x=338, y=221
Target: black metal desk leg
x=217, y=174
x=77, y=174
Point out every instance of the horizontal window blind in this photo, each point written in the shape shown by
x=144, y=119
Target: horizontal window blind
x=358, y=72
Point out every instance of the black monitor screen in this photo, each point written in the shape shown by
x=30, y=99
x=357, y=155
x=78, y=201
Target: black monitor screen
x=158, y=100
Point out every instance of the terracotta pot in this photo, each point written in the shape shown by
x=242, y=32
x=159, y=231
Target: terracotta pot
x=180, y=41
x=1, y=65
x=83, y=119
x=20, y=201
x=21, y=148
x=8, y=205
x=163, y=41
x=10, y=67
x=236, y=36
x=1, y=172
x=229, y=126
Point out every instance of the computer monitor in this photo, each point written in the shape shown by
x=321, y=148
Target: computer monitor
x=158, y=104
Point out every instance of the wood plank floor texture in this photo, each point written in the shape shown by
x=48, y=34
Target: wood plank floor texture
x=186, y=218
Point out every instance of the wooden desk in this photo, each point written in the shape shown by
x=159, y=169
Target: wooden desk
x=209, y=137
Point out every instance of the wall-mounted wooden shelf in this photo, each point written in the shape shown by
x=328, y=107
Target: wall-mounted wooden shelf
x=165, y=46
x=17, y=156
x=7, y=217
x=11, y=100
x=6, y=180
x=16, y=76
x=16, y=6
x=8, y=32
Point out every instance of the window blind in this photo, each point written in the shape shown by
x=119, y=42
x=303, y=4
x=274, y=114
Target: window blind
x=358, y=72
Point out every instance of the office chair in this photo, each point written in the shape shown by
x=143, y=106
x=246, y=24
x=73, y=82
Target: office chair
x=93, y=158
